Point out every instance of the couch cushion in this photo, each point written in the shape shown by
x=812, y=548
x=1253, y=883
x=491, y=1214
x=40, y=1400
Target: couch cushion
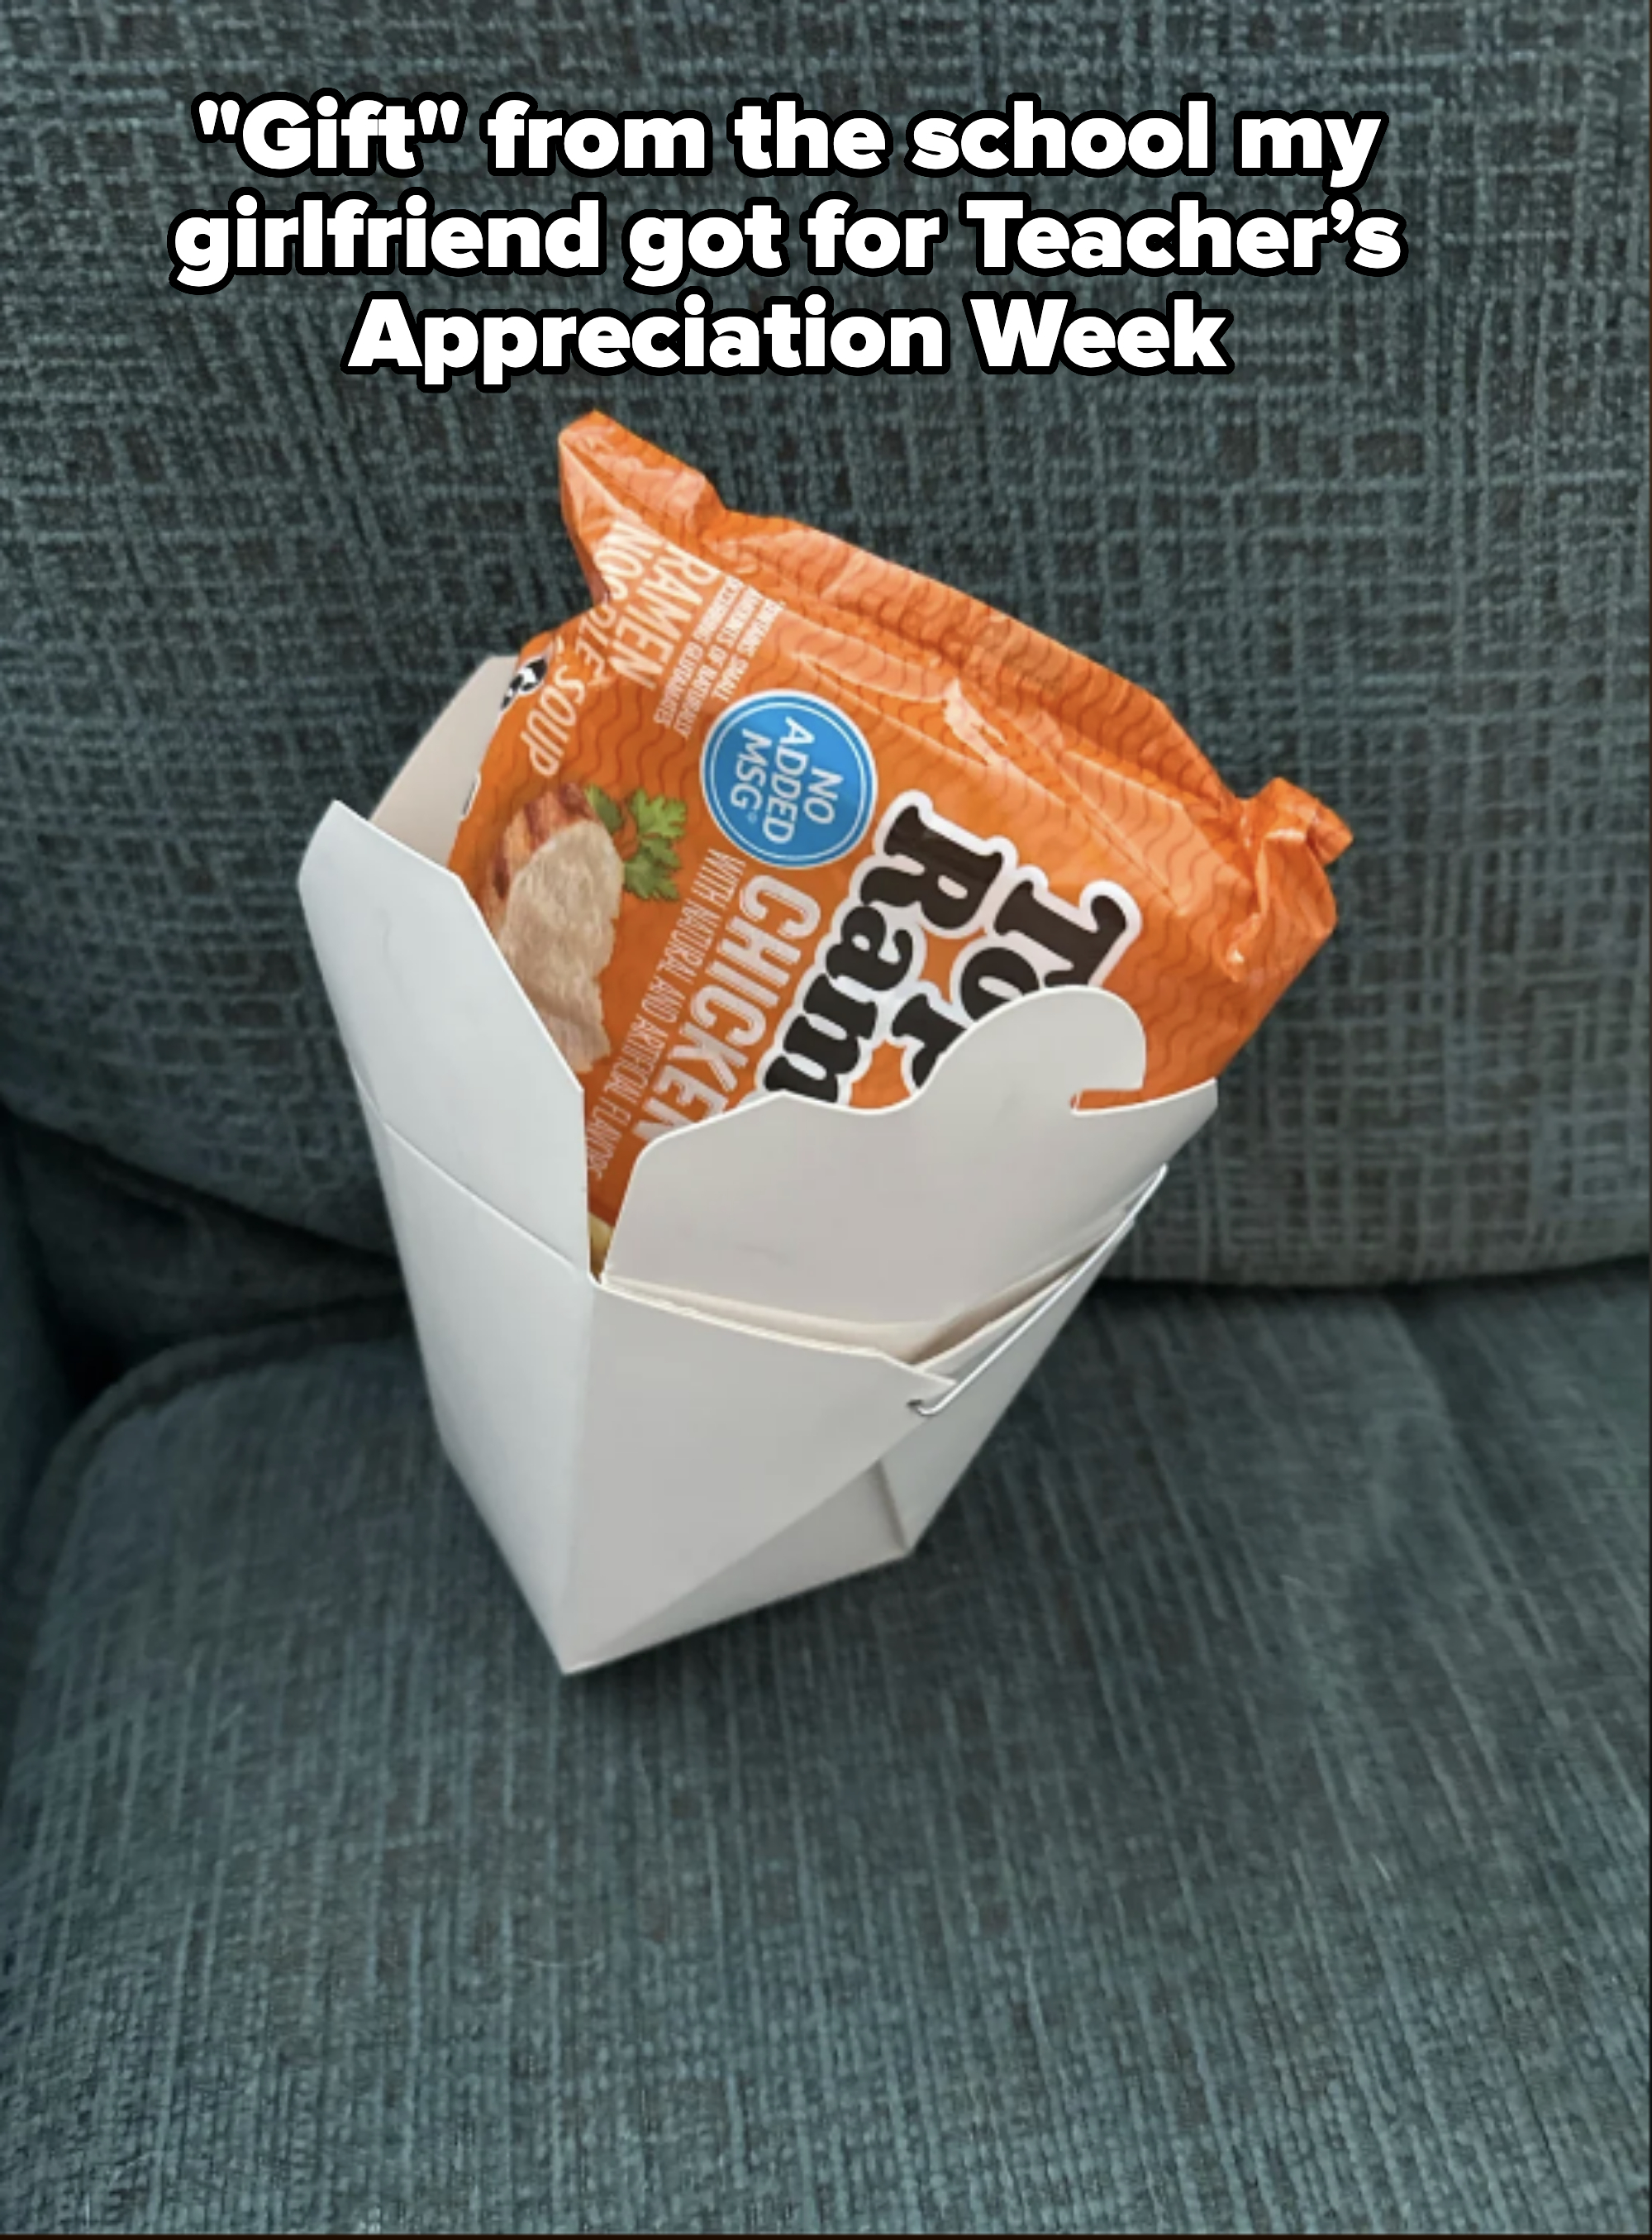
x=1233, y=1818
x=1394, y=556
x=34, y=1386
x=134, y=1263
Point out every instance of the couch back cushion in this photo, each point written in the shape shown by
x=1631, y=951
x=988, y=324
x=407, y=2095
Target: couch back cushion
x=1395, y=556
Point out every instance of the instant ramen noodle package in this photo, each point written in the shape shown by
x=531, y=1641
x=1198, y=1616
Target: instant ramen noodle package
x=776, y=816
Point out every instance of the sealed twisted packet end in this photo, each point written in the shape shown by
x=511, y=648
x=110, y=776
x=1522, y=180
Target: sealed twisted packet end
x=775, y=815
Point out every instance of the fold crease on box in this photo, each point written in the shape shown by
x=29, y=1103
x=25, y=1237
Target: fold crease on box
x=772, y=1386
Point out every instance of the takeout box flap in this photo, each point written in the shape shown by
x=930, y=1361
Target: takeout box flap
x=920, y=1473
x=904, y=1216
x=424, y=804
x=504, y=1327
x=449, y=1048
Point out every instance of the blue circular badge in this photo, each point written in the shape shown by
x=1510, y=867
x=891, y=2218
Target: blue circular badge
x=790, y=779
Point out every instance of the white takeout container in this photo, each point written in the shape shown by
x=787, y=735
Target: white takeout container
x=810, y=1317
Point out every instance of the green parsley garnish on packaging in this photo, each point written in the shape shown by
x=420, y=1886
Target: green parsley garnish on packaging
x=654, y=821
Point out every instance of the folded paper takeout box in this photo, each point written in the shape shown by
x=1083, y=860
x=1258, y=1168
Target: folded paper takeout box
x=809, y=1318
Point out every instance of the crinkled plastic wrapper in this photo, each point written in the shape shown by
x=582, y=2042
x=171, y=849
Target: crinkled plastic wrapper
x=775, y=815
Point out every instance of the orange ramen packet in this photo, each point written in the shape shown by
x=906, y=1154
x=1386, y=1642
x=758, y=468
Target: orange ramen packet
x=776, y=814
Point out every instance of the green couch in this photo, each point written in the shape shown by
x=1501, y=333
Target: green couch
x=1234, y=1817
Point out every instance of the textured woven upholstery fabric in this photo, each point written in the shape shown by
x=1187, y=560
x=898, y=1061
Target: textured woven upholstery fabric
x=1398, y=556
x=133, y=1262
x=1234, y=1817
x=34, y=1399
